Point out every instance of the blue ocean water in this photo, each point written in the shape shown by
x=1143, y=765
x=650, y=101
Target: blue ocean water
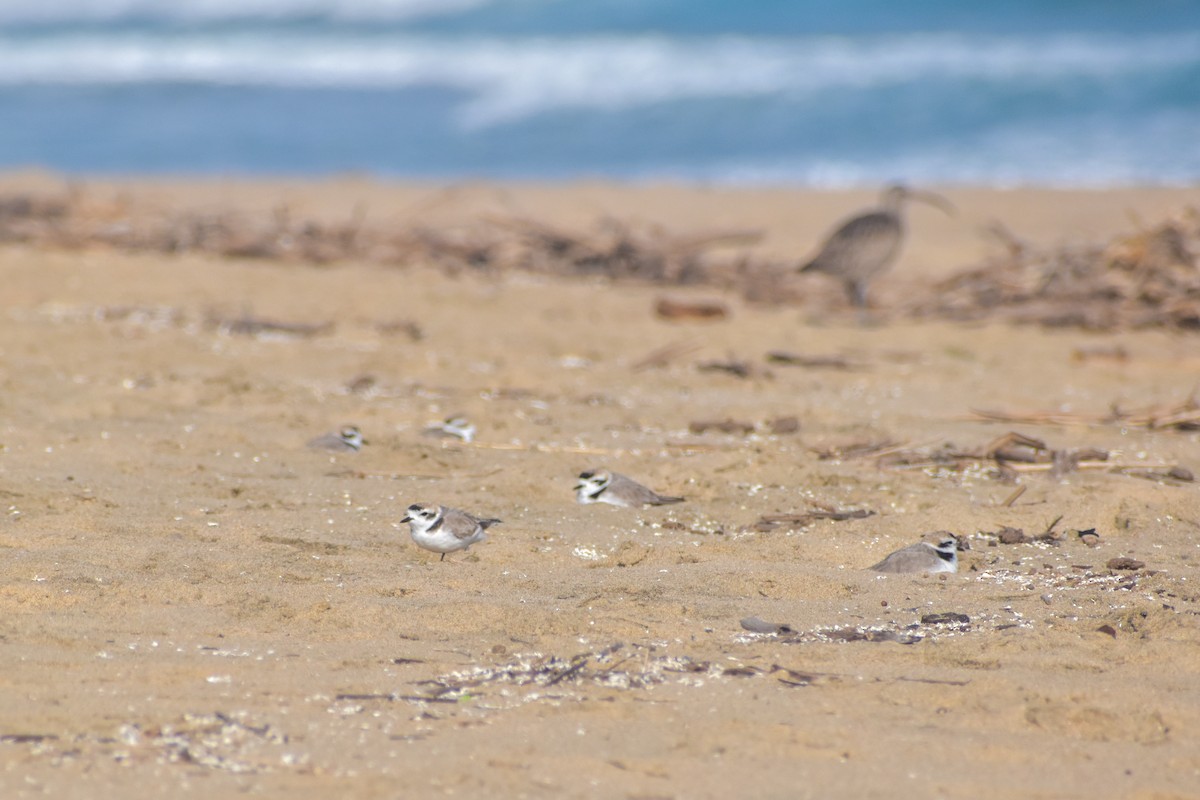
x=816, y=92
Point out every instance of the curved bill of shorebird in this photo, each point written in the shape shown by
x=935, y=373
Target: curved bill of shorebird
x=934, y=199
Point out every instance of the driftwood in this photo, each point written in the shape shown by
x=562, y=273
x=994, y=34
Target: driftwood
x=770, y=522
x=662, y=356
x=1015, y=453
x=810, y=362
x=668, y=308
x=1184, y=416
x=1149, y=278
x=1146, y=279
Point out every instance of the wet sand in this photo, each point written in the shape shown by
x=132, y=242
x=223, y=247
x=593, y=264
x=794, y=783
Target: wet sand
x=196, y=603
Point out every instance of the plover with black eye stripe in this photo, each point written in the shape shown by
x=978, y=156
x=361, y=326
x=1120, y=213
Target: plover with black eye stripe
x=936, y=552
x=604, y=486
x=445, y=530
x=455, y=427
x=348, y=439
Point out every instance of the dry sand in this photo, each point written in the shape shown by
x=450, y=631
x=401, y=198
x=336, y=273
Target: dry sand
x=195, y=604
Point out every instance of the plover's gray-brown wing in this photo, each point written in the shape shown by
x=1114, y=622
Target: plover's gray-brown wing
x=920, y=557
x=464, y=526
x=344, y=441
x=635, y=494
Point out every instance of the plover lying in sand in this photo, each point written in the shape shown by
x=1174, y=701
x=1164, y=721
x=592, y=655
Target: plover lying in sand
x=603, y=486
x=936, y=552
x=455, y=427
x=348, y=439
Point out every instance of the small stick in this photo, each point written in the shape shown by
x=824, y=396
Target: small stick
x=933, y=681
x=1039, y=417
x=577, y=664
x=1012, y=498
x=1040, y=467
x=1180, y=418
x=664, y=355
x=545, y=448
x=699, y=445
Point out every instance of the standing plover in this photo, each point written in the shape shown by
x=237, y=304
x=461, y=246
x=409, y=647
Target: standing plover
x=445, y=530
x=936, y=552
x=348, y=439
x=455, y=427
x=603, y=486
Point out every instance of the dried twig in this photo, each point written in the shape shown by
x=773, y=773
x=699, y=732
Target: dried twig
x=662, y=356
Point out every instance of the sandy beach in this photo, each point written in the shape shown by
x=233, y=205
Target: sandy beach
x=197, y=604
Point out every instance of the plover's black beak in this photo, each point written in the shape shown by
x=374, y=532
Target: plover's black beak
x=406, y=518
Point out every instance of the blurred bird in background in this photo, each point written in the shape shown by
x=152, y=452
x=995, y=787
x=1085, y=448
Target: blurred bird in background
x=868, y=244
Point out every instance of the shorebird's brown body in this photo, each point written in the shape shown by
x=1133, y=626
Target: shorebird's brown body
x=868, y=244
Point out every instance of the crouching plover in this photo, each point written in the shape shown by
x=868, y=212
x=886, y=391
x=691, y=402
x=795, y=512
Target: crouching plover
x=445, y=530
x=455, y=427
x=348, y=439
x=603, y=486
x=936, y=552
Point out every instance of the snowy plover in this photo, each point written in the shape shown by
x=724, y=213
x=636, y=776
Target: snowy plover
x=602, y=486
x=455, y=427
x=936, y=552
x=445, y=530
x=348, y=439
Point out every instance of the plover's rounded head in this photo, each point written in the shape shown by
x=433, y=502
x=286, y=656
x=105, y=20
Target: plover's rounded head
x=596, y=478
x=946, y=545
x=942, y=541
x=352, y=436
x=422, y=514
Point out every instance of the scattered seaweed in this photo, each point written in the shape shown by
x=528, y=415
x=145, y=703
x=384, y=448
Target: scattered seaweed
x=1007, y=456
x=1148, y=278
x=1181, y=416
x=615, y=666
x=221, y=741
x=770, y=522
x=810, y=362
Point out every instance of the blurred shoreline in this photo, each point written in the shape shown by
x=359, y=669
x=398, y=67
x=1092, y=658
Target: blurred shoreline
x=790, y=220
x=713, y=91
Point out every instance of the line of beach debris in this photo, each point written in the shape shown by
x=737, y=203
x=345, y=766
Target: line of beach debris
x=1146, y=279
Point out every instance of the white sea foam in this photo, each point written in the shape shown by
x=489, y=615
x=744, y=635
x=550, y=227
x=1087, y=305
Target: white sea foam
x=510, y=79
x=192, y=11
x=1005, y=156
x=1048, y=107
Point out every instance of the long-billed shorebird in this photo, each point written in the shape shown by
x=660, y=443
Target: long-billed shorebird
x=865, y=245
